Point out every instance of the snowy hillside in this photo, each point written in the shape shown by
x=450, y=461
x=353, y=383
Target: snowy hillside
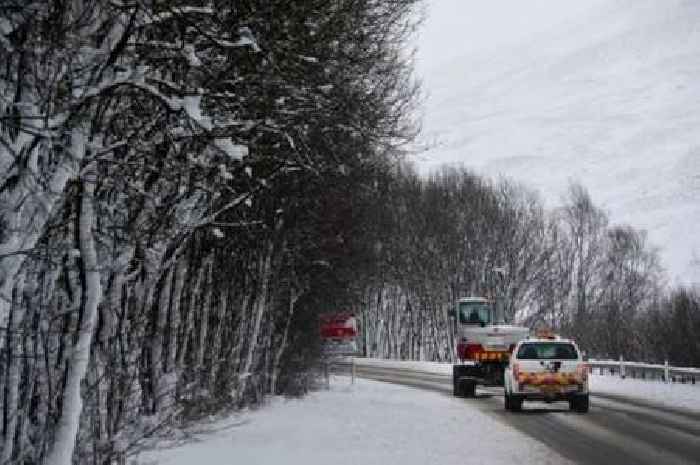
x=609, y=97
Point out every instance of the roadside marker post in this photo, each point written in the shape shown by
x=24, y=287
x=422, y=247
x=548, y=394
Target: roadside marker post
x=352, y=370
x=622, y=367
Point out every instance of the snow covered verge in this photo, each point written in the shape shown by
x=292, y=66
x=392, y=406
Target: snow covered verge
x=673, y=395
x=366, y=422
x=437, y=368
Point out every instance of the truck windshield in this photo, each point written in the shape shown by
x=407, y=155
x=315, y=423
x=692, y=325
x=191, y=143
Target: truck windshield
x=547, y=350
x=474, y=313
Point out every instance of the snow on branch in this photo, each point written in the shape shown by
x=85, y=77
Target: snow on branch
x=246, y=39
x=176, y=12
x=234, y=151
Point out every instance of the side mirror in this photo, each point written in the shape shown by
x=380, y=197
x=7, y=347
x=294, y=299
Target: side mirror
x=584, y=356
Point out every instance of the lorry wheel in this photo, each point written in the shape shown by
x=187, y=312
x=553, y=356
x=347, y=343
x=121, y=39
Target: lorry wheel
x=469, y=388
x=458, y=371
x=581, y=404
x=516, y=404
x=457, y=388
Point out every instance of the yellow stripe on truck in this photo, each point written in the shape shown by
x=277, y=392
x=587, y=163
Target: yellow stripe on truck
x=492, y=356
x=539, y=379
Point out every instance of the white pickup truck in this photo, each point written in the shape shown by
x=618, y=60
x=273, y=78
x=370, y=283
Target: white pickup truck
x=546, y=368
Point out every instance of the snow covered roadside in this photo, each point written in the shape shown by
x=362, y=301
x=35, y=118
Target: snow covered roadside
x=436, y=368
x=673, y=395
x=365, y=423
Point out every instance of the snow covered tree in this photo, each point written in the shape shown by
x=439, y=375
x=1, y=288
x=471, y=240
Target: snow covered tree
x=163, y=168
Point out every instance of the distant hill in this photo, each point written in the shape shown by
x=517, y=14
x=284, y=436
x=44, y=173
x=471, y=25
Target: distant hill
x=611, y=99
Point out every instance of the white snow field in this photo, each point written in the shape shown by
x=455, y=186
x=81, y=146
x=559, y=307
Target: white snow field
x=365, y=423
x=673, y=395
x=604, y=92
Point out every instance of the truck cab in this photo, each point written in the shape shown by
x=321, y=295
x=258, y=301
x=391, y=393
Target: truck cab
x=484, y=342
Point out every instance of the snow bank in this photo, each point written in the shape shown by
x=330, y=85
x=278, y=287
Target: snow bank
x=674, y=395
x=437, y=368
x=365, y=423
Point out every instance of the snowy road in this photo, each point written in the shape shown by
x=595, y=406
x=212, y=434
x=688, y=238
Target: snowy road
x=616, y=430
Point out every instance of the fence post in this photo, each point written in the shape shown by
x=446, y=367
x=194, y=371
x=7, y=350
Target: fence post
x=667, y=372
x=622, y=367
x=352, y=369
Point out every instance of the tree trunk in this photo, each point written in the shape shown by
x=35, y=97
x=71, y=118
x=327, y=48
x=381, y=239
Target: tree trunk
x=61, y=451
x=14, y=352
x=202, y=342
x=258, y=312
x=283, y=343
x=156, y=365
x=216, y=343
x=174, y=320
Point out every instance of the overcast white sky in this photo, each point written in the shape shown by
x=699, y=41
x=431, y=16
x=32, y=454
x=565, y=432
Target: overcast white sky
x=603, y=92
x=455, y=28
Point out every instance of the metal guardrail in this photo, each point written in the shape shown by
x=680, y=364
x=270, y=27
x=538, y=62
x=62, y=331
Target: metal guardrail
x=637, y=370
x=338, y=366
x=406, y=375
x=622, y=368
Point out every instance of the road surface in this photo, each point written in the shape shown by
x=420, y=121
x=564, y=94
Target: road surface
x=616, y=430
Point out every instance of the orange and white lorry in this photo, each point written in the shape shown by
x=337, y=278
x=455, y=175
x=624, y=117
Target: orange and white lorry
x=484, y=342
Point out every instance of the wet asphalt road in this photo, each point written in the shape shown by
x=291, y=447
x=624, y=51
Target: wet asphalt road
x=615, y=430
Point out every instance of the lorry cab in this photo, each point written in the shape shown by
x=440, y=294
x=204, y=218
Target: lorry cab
x=483, y=342
x=482, y=333
x=475, y=311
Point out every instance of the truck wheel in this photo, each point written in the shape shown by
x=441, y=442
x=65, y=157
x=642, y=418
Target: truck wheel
x=457, y=373
x=581, y=404
x=469, y=388
x=457, y=388
x=516, y=403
